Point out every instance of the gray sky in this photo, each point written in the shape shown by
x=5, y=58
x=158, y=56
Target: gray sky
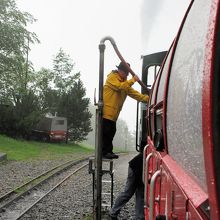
x=139, y=27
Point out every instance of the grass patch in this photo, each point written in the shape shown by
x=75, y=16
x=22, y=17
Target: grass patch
x=88, y=218
x=29, y=150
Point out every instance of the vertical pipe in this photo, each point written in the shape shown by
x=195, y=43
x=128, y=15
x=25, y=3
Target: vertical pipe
x=98, y=156
x=112, y=190
x=137, y=134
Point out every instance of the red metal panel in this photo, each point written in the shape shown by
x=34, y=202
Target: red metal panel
x=207, y=117
x=181, y=196
x=193, y=214
x=175, y=205
x=192, y=190
x=166, y=189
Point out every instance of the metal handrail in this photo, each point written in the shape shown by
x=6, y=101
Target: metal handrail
x=144, y=153
x=152, y=187
x=146, y=178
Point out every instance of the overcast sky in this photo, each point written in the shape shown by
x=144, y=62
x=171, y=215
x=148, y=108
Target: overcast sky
x=139, y=27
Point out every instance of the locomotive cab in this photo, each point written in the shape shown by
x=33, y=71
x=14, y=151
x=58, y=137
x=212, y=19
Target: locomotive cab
x=150, y=68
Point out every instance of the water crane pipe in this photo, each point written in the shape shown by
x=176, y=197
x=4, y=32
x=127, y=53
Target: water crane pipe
x=123, y=60
x=99, y=114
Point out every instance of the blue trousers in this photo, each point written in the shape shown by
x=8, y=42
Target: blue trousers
x=131, y=187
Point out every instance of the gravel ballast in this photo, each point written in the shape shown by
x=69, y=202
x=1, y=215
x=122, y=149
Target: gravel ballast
x=73, y=199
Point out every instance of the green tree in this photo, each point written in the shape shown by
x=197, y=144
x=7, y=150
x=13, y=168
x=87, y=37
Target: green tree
x=71, y=101
x=74, y=106
x=26, y=113
x=16, y=74
x=62, y=92
x=14, y=45
x=48, y=96
x=52, y=85
x=63, y=76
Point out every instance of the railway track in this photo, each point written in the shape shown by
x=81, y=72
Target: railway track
x=14, y=204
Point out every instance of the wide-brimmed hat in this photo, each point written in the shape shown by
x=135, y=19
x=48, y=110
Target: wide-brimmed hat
x=122, y=67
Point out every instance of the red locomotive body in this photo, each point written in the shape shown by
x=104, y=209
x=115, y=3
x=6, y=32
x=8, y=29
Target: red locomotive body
x=182, y=156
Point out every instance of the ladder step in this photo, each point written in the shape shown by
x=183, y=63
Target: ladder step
x=107, y=181
x=108, y=172
x=106, y=193
x=106, y=205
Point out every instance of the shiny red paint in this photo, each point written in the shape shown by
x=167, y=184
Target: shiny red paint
x=180, y=195
x=57, y=135
x=190, y=187
x=207, y=116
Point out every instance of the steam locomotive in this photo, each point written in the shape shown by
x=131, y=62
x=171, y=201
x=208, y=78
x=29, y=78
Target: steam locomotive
x=181, y=124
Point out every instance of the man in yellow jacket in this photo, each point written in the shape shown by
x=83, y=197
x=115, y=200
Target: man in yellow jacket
x=115, y=91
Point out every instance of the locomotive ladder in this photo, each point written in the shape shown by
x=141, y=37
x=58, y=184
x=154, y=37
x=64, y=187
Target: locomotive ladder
x=98, y=171
x=107, y=179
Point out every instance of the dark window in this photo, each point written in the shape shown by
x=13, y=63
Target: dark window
x=59, y=122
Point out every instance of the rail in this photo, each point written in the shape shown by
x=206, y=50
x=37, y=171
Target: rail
x=24, y=190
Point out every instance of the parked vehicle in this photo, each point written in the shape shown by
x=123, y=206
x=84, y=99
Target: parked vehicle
x=51, y=128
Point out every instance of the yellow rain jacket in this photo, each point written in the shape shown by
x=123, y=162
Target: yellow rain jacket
x=114, y=94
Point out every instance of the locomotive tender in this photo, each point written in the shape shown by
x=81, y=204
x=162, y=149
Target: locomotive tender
x=182, y=155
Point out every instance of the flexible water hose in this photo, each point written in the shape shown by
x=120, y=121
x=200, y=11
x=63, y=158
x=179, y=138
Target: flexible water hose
x=102, y=42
